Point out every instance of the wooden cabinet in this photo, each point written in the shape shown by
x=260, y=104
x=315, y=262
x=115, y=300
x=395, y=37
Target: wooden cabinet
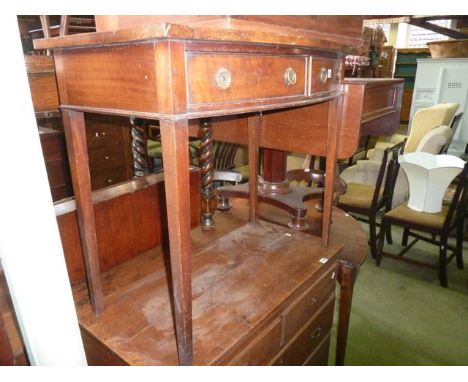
x=271, y=266
x=56, y=161
x=262, y=295
x=109, y=150
x=405, y=67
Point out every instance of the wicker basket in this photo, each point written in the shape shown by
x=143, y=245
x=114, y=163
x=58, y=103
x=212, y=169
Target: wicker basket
x=449, y=48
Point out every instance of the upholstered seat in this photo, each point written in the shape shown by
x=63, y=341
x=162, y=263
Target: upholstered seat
x=405, y=214
x=359, y=195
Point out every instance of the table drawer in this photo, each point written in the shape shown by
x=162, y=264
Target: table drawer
x=320, y=356
x=308, y=304
x=100, y=159
x=309, y=338
x=108, y=177
x=325, y=75
x=262, y=349
x=103, y=131
x=224, y=78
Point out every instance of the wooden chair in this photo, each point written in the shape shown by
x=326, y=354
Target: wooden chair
x=368, y=200
x=454, y=127
x=436, y=224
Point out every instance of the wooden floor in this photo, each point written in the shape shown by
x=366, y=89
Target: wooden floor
x=238, y=282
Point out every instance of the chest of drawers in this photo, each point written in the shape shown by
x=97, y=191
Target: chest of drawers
x=55, y=158
x=109, y=150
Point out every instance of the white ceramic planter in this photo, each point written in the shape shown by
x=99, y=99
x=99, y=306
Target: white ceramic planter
x=428, y=177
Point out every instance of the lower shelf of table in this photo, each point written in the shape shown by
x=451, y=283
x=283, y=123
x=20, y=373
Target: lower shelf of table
x=242, y=283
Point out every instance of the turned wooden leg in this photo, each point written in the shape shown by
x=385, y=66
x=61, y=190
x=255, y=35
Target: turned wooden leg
x=74, y=127
x=206, y=163
x=346, y=277
x=141, y=165
x=174, y=139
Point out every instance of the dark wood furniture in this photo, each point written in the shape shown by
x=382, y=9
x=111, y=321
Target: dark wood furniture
x=346, y=231
x=370, y=107
x=132, y=237
x=56, y=161
x=368, y=200
x=439, y=225
x=212, y=66
x=109, y=149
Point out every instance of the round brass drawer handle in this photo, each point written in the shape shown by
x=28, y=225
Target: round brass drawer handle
x=290, y=77
x=323, y=75
x=223, y=78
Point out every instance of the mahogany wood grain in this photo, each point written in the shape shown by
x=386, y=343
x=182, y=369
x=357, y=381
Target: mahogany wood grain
x=334, y=124
x=349, y=29
x=372, y=104
x=171, y=77
x=315, y=31
x=41, y=77
x=174, y=140
x=55, y=158
x=300, y=130
x=331, y=82
x=94, y=74
x=74, y=126
x=347, y=275
x=350, y=131
x=241, y=284
x=254, y=126
x=130, y=219
x=82, y=69
x=274, y=165
x=252, y=77
x=309, y=337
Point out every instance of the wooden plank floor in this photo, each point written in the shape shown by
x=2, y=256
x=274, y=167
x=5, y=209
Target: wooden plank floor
x=238, y=282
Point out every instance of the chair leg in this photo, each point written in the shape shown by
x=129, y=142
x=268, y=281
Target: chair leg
x=373, y=235
x=459, y=247
x=380, y=244
x=443, y=264
x=388, y=233
x=404, y=240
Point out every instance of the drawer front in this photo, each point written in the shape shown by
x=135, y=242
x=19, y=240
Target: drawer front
x=103, y=131
x=101, y=159
x=53, y=147
x=262, y=349
x=320, y=356
x=309, y=338
x=57, y=172
x=325, y=75
x=308, y=304
x=225, y=78
x=108, y=177
x=61, y=192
